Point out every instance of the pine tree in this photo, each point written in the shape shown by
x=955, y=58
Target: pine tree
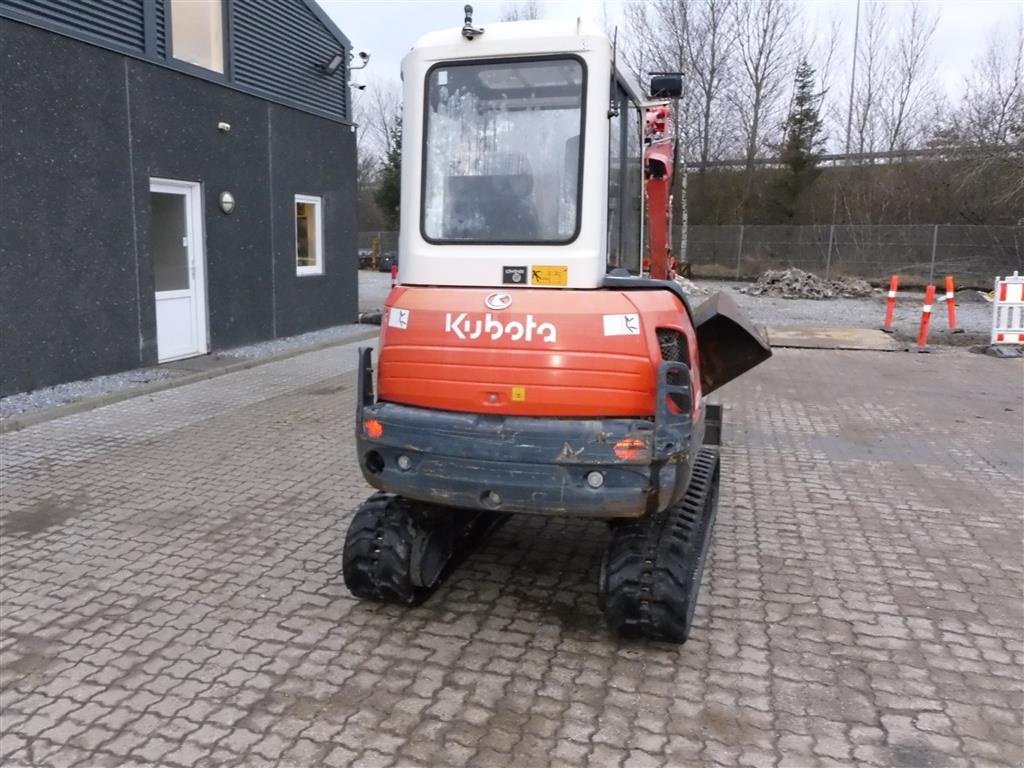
x=804, y=140
x=389, y=190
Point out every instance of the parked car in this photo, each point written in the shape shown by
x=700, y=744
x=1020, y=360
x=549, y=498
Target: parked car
x=365, y=258
x=385, y=262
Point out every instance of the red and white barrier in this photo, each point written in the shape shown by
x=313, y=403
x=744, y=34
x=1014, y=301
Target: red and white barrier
x=1008, y=311
x=926, y=318
x=890, y=306
x=951, y=305
x=394, y=275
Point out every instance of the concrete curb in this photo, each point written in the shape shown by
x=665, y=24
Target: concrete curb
x=21, y=421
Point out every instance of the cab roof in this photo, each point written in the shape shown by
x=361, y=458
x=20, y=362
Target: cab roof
x=521, y=38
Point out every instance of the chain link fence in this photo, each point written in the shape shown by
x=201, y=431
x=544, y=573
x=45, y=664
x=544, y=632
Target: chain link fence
x=918, y=253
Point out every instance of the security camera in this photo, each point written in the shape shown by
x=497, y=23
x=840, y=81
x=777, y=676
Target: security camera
x=364, y=56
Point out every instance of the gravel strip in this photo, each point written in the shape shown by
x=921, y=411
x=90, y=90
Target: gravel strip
x=277, y=346
x=73, y=391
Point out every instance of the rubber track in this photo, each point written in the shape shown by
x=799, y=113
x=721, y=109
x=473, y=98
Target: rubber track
x=651, y=572
x=378, y=555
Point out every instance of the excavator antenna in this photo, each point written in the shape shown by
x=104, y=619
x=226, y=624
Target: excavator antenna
x=468, y=30
x=613, y=104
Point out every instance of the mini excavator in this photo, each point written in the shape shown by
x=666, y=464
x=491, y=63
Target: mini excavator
x=537, y=358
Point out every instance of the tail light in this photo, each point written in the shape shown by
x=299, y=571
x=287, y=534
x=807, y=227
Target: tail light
x=630, y=448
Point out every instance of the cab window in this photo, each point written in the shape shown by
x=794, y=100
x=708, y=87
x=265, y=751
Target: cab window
x=625, y=184
x=503, y=144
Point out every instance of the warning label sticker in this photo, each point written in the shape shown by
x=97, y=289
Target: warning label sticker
x=398, y=318
x=549, y=275
x=621, y=325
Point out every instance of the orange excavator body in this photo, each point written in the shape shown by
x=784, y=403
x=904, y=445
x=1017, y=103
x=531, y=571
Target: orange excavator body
x=582, y=354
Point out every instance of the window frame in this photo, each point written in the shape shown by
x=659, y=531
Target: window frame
x=225, y=21
x=582, y=151
x=627, y=108
x=317, y=268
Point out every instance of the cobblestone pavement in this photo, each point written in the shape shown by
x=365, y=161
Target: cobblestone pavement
x=172, y=590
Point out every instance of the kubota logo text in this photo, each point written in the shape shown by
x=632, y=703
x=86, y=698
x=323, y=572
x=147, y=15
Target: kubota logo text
x=465, y=327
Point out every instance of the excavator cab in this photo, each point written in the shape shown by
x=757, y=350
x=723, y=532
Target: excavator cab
x=526, y=364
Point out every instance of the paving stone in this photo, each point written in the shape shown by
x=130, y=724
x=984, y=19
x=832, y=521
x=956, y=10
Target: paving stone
x=172, y=591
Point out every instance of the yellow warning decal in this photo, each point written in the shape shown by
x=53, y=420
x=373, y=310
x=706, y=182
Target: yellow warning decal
x=518, y=394
x=548, y=275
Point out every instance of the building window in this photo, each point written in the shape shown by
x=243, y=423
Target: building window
x=197, y=32
x=309, y=240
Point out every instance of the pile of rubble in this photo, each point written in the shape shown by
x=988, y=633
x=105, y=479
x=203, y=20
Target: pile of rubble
x=690, y=288
x=852, y=287
x=796, y=284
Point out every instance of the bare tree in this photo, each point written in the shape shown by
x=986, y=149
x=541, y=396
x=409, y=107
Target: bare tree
x=376, y=110
x=988, y=125
x=992, y=109
x=522, y=11
x=642, y=52
x=910, y=83
x=874, y=70
x=823, y=52
x=367, y=156
x=764, y=49
x=634, y=45
x=764, y=52
x=709, y=49
x=655, y=38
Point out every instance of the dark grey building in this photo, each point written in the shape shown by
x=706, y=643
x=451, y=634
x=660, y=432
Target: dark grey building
x=176, y=177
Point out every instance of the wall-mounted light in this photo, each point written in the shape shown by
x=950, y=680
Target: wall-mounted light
x=227, y=202
x=332, y=66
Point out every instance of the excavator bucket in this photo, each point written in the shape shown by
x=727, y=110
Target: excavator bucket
x=729, y=343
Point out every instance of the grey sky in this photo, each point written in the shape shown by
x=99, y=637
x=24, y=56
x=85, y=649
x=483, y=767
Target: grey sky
x=389, y=27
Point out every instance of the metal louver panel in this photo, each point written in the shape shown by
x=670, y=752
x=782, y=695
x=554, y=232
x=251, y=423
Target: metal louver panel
x=161, y=29
x=280, y=48
x=115, y=22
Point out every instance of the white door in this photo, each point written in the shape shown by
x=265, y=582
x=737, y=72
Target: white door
x=179, y=268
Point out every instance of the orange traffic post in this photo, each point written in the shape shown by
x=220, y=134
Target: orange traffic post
x=951, y=305
x=926, y=316
x=890, y=306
